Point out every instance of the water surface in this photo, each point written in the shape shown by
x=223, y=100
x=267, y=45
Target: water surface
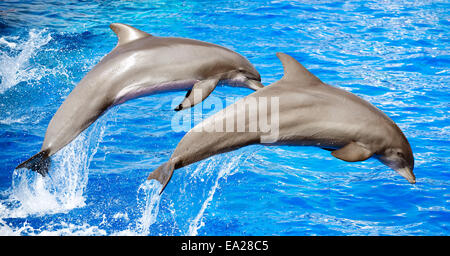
x=394, y=54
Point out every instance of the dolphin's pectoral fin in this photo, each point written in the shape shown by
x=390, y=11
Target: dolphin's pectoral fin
x=200, y=91
x=180, y=107
x=163, y=174
x=352, y=152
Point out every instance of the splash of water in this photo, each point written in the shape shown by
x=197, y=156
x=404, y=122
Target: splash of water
x=229, y=169
x=15, y=59
x=150, y=190
x=148, y=199
x=64, y=187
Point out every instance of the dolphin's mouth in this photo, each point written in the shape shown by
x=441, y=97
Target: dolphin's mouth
x=407, y=174
x=254, y=84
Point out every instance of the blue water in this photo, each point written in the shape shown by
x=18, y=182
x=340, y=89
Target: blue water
x=394, y=54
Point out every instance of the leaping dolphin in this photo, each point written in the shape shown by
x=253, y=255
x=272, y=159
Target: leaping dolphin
x=311, y=113
x=140, y=65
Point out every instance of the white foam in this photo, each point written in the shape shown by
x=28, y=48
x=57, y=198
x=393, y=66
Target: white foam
x=69, y=229
x=11, y=45
x=62, y=190
x=14, y=67
x=9, y=120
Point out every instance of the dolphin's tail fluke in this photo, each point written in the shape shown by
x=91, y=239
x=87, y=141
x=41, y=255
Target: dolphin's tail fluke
x=39, y=163
x=162, y=174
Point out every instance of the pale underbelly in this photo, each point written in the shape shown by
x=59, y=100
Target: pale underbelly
x=137, y=91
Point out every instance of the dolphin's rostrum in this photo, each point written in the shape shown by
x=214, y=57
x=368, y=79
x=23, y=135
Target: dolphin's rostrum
x=311, y=113
x=140, y=65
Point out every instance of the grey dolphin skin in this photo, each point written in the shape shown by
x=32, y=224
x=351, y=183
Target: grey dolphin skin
x=140, y=65
x=311, y=113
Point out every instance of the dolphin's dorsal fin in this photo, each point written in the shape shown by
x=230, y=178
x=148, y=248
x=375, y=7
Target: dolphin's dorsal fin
x=294, y=71
x=127, y=33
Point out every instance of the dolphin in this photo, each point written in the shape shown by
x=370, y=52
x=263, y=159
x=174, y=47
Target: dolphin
x=142, y=64
x=310, y=113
